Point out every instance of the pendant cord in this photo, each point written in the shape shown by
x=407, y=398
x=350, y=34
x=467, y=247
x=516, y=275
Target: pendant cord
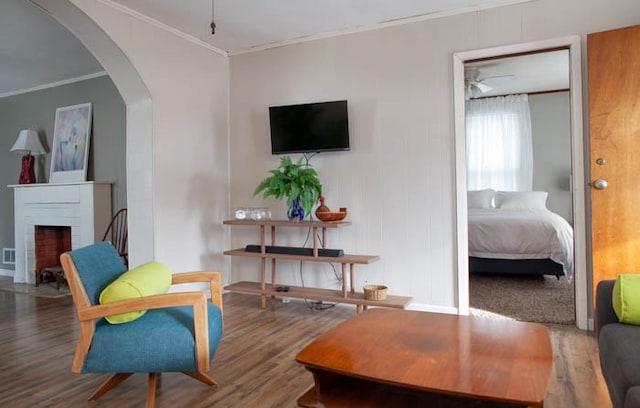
x=213, y=24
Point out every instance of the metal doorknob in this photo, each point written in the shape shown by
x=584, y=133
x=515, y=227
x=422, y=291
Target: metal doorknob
x=600, y=184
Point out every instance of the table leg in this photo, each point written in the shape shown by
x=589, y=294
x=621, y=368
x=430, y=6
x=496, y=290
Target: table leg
x=263, y=294
x=324, y=380
x=273, y=266
x=324, y=237
x=352, y=278
x=273, y=280
x=263, y=267
x=344, y=280
x=315, y=241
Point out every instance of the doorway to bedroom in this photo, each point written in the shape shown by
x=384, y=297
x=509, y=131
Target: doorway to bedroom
x=519, y=176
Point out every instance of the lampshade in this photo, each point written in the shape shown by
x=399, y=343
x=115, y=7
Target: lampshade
x=28, y=142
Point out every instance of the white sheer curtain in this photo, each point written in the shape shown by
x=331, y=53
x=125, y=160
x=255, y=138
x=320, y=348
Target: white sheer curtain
x=499, y=146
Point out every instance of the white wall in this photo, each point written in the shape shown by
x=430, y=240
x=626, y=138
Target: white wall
x=551, y=131
x=398, y=180
x=188, y=84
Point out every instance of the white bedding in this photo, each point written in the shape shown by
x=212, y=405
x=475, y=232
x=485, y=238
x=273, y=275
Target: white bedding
x=521, y=234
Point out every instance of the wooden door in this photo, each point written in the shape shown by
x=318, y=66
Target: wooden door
x=614, y=119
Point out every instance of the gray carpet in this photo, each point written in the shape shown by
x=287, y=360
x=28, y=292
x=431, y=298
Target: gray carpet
x=541, y=299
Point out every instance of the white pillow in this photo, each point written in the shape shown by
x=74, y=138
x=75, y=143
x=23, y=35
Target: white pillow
x=480, y=198
x=521, y=200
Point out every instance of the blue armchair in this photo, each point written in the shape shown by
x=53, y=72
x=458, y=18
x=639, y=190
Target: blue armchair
x=178, y=333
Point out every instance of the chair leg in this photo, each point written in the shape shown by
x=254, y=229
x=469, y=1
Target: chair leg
x=151, y=389
x=110, y=384
x=201, y=377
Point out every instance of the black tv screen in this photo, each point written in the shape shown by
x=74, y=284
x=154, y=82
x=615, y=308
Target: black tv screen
x=310, y=127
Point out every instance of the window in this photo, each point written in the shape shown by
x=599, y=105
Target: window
x=499, y=146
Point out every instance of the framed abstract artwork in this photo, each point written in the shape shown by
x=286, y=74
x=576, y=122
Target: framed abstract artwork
x=70, y=148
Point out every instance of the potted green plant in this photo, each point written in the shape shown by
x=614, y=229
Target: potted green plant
x=297, y=182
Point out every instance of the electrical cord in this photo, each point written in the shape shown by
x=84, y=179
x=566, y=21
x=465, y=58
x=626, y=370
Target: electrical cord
x=335, y=273
x=318, y=305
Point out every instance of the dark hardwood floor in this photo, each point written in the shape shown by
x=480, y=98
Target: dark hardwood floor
x=254, y=364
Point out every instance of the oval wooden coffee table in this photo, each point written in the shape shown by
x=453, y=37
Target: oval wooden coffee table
x=398, y=358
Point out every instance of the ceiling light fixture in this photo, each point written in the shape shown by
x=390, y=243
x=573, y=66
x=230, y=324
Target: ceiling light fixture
x=213, y=24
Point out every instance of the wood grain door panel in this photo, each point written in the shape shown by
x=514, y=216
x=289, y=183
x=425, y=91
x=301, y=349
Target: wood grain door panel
x=614, y=124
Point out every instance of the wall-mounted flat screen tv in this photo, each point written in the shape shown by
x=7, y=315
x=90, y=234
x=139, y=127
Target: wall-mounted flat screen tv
x=310, y=127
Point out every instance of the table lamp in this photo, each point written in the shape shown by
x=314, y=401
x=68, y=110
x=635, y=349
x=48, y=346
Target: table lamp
x=29, y=143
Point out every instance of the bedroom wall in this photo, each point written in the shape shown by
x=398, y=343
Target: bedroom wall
x=36, y=110
x=551, y=130
x=398, y=181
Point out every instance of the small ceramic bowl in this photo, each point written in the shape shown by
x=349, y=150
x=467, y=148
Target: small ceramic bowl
x=330, y=216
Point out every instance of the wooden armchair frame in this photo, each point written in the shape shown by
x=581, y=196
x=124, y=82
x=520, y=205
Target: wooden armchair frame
x=88, y=314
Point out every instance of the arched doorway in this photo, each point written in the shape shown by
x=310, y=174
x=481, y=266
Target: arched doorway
x=138, y=122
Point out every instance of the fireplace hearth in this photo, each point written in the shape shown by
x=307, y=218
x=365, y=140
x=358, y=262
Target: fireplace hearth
x=75, y=214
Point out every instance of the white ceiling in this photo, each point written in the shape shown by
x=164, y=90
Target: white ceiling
x=35, y=50
x=540, y=72
x=243, y=24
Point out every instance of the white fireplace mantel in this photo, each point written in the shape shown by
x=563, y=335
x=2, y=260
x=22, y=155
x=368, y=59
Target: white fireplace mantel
x=83, y=206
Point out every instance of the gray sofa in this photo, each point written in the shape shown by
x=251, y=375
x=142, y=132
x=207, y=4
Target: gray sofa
x=619, y=351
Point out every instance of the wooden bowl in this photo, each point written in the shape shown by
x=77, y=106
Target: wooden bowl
x=331, y=216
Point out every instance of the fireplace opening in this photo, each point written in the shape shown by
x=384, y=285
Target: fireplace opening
x=50, y=242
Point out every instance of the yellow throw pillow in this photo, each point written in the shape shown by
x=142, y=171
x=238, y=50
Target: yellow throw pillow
x=626, y=298
x=152, y=278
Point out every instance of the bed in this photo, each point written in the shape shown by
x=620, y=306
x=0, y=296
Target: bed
x=514, y=232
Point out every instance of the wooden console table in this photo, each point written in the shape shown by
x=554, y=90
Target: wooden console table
x=348, y=294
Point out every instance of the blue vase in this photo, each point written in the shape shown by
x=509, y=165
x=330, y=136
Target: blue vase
x=296, y=212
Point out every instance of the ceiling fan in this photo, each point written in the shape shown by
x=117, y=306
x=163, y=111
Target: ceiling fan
x=474, y=85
